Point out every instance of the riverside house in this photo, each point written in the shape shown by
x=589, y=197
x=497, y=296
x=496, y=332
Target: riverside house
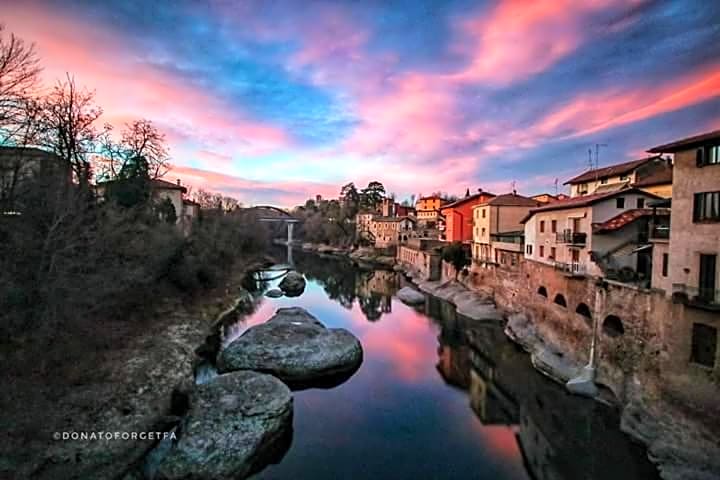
x=646, y=171
x=694, y=241
x=497, y=231
x=459, y=217
x=600, y=234
x=427, y=210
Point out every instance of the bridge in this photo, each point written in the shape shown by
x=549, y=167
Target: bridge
x=270, y=214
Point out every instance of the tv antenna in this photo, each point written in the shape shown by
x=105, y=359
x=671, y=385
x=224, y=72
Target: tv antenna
x=597, y=153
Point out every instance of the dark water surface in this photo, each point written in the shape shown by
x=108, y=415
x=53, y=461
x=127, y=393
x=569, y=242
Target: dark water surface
x=438, y=396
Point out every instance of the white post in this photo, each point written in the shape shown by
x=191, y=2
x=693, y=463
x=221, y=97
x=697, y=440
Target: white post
x=290, y=226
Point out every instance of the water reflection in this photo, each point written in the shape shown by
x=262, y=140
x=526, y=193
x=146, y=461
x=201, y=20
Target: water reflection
x=437, y=397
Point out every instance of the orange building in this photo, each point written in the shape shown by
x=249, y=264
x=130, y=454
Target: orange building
x=459, y=217
x=428, y=210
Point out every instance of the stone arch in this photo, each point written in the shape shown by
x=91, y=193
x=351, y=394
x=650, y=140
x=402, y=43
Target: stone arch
x=584, y=310
x=542, y=291
x=612, y=326
x=560, y=300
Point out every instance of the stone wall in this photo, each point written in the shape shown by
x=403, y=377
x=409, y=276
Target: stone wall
x=642, y=335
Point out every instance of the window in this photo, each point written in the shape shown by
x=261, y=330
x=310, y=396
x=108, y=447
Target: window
x=528, y=249
x=552, y=253
x=706, y=207
x=560, y=300
x=603, y=181
x=583, y=188
x=665, y=261
x=623, y=178
x=704, y=345
x=708, y=156
x=542, y=250
x=483, y=213
x=553, y=226
x=542, y=291
x=542, y=226
x=620, y=202
x=483, y=231
x=640, y=203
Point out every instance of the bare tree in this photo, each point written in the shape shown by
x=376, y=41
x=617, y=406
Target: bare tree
x=139, y=140
x=19, y=77
x=67, y=126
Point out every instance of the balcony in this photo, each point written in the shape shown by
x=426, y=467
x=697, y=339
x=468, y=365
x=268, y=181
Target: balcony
x=659, y=232
x=569, y=237
x=704, y=298
x=571, y=269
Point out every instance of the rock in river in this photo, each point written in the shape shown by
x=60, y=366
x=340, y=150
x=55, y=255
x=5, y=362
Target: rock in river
x=410, y=296
x=233, y=424
x=274, y=293
x=293, y=285
x=295, y=347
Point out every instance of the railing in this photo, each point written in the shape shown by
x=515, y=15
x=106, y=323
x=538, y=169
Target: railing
x=696, y=296
x=571, y=238
x=507, y=238
x=661, y=232
x=571, y=268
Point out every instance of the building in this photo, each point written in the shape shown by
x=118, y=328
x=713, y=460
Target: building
x=26, y=172
x=390, y=231
x=616, y=177
x=391, y=208
x=694, y=243
x=603, y=235
x=160, y=190
x=428, y=210
x=458, y=217
x=497, y=229
x=544, y=198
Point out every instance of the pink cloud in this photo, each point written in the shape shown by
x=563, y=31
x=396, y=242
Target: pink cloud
x=129, y=89
x=519, y=38
x=252, y=192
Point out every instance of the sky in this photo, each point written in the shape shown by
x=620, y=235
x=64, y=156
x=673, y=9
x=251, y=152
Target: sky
x=273, y=101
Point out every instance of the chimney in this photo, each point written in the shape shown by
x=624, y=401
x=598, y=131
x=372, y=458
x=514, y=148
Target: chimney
x=178, y=181
x=514, y=192
x=480, y=190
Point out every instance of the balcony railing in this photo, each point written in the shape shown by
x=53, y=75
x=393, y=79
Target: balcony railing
x=571, y=268
x=571, y=238
x=696, y=296
x=661, y=232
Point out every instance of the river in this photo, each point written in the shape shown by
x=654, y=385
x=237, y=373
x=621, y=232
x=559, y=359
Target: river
x=438, y=396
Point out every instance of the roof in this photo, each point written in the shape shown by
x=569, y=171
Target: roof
x=687, y=143
x=619, y=221
x=512, y=200
x=471, y=198
x=583, y=201
x=660, y=177
x=391, y=219
x=610, y=171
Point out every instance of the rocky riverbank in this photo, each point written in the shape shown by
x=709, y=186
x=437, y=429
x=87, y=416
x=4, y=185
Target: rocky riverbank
x=681, y=445
x=132, y=386
x=367, y=256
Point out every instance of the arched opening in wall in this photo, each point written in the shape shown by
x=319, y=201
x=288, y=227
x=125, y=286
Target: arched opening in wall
x=560, y=300
x=542, y=291
x=612, y=326
x=584, y=311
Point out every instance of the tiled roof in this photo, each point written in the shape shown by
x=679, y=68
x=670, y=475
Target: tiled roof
x=513, y=200
x=472, y=197
x=686, y=143
x=585, y=200
x=612, y=170
x=154, y=183
x=660, y=177
x=619, y=221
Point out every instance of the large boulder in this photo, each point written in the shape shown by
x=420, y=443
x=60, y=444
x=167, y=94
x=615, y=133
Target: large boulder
x=232, y=428
x=295, y=347
x=293, y=285
x=410, y=296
